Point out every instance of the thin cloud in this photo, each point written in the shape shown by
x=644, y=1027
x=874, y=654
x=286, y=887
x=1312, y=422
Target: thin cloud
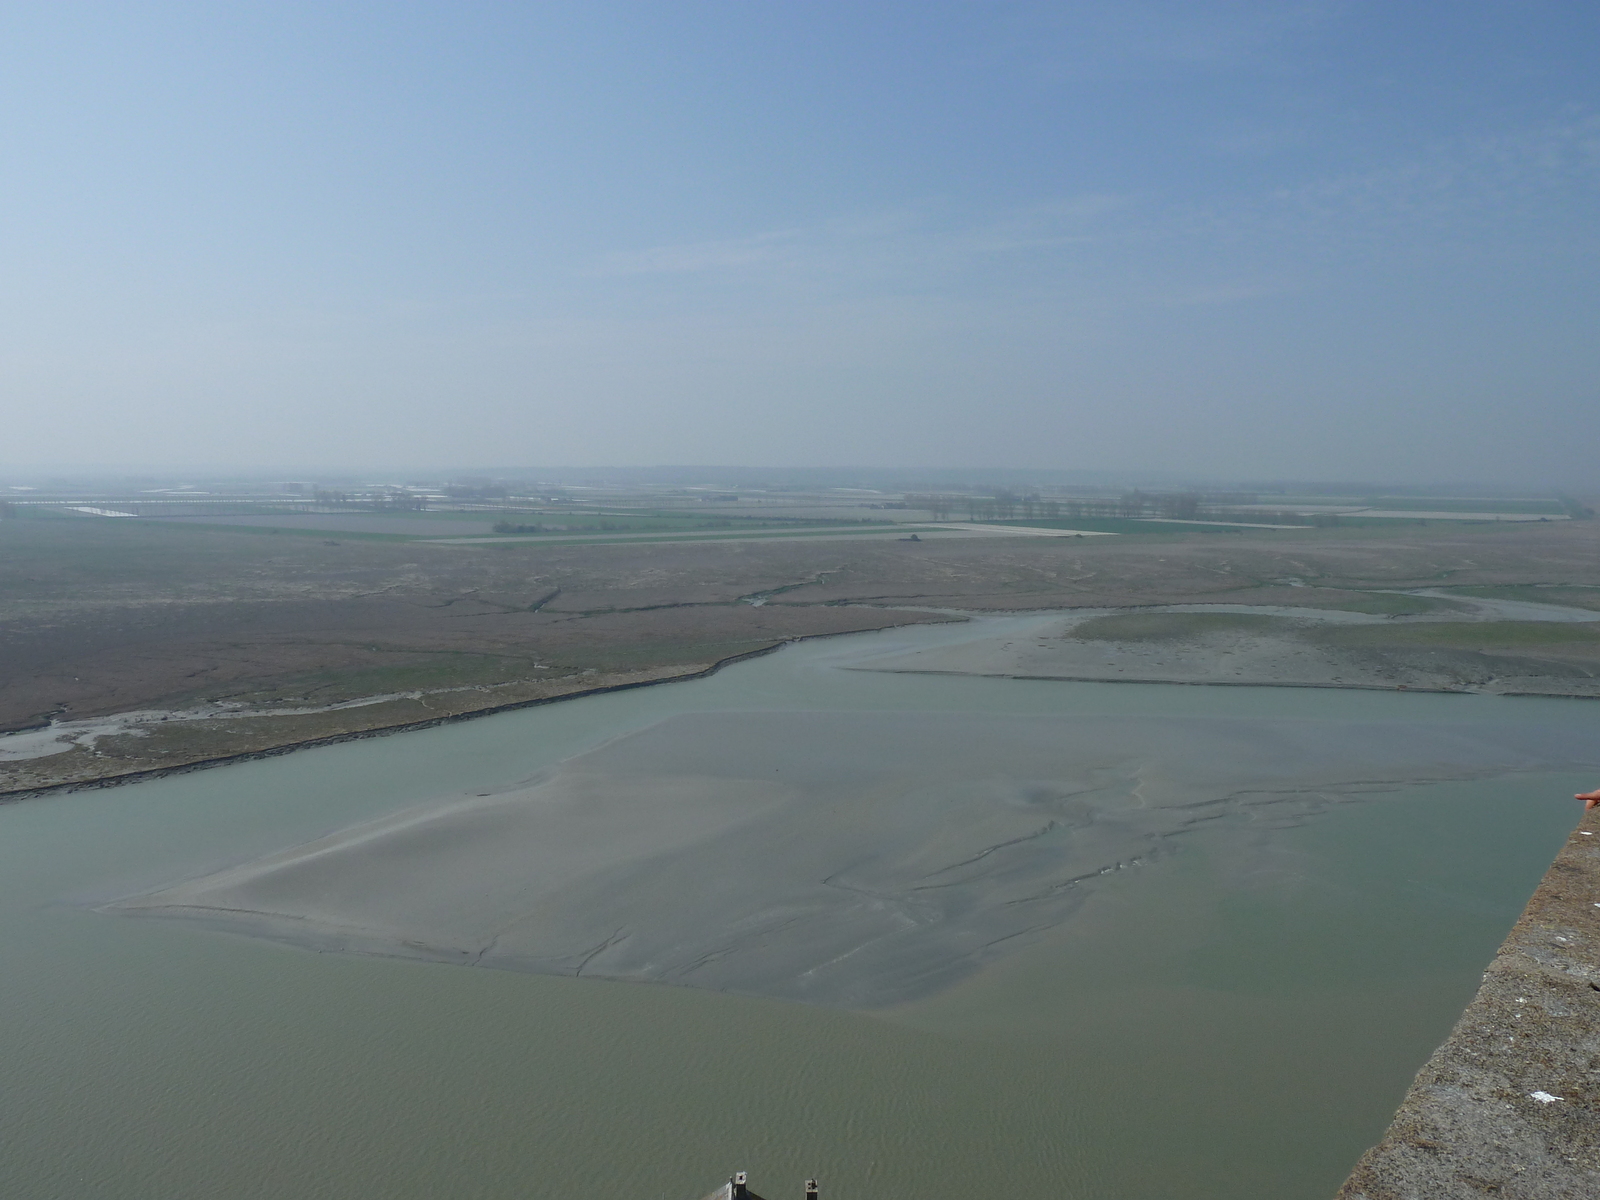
x=761, y=250
x=1161, y=250
x=1526, y=172
x=1141, y=38
x=873, y=242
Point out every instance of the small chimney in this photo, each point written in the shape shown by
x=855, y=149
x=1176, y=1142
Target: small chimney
x=811, y=1189
x=739, y=1186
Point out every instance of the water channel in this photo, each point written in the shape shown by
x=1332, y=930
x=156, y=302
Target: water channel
x=1232, y=1009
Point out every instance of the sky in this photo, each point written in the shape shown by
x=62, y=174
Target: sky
x=1324, y=240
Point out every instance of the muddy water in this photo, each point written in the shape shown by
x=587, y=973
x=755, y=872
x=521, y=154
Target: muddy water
x=1235, y=1017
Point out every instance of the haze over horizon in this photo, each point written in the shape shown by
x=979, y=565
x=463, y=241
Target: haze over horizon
x=1231, y=240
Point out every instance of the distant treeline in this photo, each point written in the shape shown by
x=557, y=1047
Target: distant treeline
x=392, y=501
x=603, y=526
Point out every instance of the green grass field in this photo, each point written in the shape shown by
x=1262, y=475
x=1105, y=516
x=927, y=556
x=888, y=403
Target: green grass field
x=1534, y=505
x=625, y=520
x=1154, y=627
x=1381, y=604
x=1121, y=525
x=1464, y=635
x=1487, y=504
x=700, y=535
x=1568, y=597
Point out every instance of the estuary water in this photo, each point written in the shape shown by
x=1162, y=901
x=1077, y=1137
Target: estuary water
x=1076, y=939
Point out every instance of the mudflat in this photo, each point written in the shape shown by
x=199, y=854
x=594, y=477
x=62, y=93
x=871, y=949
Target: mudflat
x=854, y=860
x=1470, y=646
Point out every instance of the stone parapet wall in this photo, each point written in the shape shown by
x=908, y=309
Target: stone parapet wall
x=1509, y=1105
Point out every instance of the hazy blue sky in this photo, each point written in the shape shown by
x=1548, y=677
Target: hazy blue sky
x=1353, y=240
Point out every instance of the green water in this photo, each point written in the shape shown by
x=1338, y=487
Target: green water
x=1219, y=1023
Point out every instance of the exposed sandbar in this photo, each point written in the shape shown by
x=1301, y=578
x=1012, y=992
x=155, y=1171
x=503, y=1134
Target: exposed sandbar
x=1267, y=647
x=847, y=859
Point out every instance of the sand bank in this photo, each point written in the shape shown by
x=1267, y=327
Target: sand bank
x=1470, y=650
x=854, y=860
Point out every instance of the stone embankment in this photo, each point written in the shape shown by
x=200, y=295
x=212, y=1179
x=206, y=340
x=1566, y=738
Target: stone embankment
x=1509, y=1105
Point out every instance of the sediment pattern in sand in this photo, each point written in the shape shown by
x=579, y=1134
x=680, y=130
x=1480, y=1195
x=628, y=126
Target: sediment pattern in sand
x=849, y=859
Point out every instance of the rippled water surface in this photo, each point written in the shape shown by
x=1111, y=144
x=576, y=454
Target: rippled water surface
x=1232, y=1013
